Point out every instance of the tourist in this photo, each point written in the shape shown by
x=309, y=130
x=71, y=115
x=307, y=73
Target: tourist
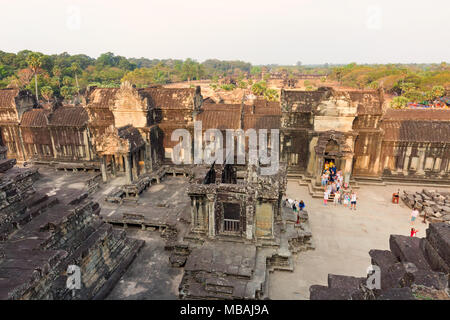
x=346, y=199
x=325, y=198
x=336, y=198
x=413, y=232
x=301, y=205
x=353, y=201
x=414, y=215
x=290, y=202
x=294, y=207
x=324, y=180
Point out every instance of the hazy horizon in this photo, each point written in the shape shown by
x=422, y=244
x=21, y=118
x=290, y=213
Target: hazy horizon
x=259, y=32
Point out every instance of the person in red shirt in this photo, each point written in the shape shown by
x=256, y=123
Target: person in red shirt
x=413, y=232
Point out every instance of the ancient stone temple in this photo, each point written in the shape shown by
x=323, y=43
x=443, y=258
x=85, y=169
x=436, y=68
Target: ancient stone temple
x=365, y=140
x=223, y=207
x=43, y=233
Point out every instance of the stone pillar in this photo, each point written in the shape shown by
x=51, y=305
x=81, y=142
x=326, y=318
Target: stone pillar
x=312, y=156
x=103, y=169
x=348, y=169
x=136, y=163
x=319, y=166
x=420, y=170
x=128, y=173
x=406, y=161
x=148, y=157
x=113, y=165
x=211, y=218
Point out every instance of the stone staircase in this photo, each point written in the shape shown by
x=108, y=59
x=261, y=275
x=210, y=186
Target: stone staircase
x=413, y=268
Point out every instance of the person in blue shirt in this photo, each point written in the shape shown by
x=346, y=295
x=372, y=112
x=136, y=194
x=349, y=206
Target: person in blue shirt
x=301, y=205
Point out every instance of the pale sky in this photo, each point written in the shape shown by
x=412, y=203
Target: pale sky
x=257, y=31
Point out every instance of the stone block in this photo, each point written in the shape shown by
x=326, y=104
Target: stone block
x=407, y=249
x=396, y=294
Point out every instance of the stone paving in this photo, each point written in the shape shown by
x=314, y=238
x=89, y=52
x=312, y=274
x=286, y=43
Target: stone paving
x=150, y=276
x=343, y=238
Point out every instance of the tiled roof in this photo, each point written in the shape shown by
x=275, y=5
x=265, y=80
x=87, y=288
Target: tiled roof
x=69, y=116
x=255, y=121
x=417, y=114
x=7, y=97
x=102, y=97
x=168, y=98
x=417, y=131
x=214, y=119
x=35, y=118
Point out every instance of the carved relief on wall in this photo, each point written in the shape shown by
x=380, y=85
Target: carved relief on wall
x=111, y=143
x=129, y=107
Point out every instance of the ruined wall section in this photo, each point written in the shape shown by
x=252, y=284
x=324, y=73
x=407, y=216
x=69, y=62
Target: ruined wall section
x=35, y=257
x=13, y=104
x=368, y=144
x=416, y=145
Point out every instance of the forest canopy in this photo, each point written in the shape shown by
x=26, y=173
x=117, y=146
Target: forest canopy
x=64, y=75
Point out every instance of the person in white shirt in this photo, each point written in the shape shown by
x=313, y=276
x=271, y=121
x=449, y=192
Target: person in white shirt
x=414, y=215
x=325, y=198
x=353, y=201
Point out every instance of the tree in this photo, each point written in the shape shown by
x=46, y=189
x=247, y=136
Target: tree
x=437, y=91
x=189, y=69
x=259, y=88
x=34, y=61
x=47, y=93
x=399, y=102
x=75, y=67
x=66, y=92
x=57, y=73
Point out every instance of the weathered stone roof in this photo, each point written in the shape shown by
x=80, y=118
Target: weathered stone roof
x=257, y=121
x=215, y=119
x=169, y=98
x=417, y=114
x=416, y=131
x=367, y=101
x=417, y=125
x=69, y=117
x=35, y=118
x=7, y=97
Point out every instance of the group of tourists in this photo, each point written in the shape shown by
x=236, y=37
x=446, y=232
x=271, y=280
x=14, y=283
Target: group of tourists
x=296, y=206
x=335, y=188
x=341, y=197
x=330, y=174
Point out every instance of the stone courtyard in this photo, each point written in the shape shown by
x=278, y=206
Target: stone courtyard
x=343, y=238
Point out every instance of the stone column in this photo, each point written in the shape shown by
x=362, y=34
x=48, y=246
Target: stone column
x=420, y=170
x=103, y=169
x=136, y=163
x=348, y=169
x=376, y=165
x=406, y=161
x=211, y=218
x=319, y=166
x=128, y=173
x=113, y=165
